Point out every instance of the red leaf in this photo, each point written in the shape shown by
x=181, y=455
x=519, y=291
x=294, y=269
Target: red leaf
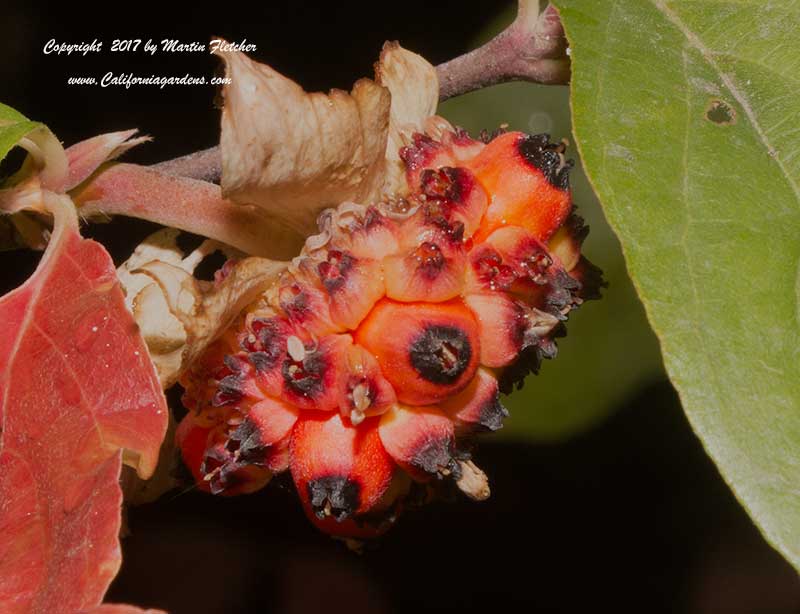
x=76, y=386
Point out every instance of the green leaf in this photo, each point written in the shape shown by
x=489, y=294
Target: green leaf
x=686, y=116
x=13, y=127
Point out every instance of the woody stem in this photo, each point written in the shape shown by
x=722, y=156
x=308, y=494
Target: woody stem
x=532, y=48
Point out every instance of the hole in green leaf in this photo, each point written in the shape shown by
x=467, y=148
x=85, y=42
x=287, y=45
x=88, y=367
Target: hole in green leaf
x=720, y=112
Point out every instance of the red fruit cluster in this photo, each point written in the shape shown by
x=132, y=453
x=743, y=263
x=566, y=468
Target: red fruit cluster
x=387, y=342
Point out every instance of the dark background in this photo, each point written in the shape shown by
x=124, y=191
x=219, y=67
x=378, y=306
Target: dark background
x=629, y=517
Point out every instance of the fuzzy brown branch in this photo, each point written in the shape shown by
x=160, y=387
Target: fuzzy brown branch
x=533, y=48
x=530, y=49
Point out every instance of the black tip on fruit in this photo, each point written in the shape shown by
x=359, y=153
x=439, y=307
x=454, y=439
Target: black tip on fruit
x=492, y=414
x=435, y=457
x=333, y=496
x=306, y=377
x=441, y=354
x=247, y=440
x=548, y=157
x=229, y=390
